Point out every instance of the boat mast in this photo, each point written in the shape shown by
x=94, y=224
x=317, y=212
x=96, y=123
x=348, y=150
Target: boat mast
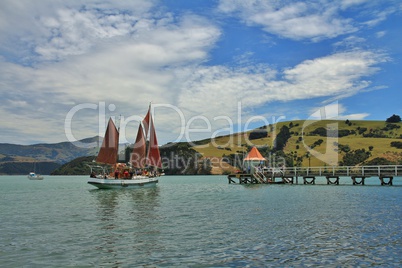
x=118, y=124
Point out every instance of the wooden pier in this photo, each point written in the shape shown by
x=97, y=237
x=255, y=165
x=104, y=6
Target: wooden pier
x=333, y=175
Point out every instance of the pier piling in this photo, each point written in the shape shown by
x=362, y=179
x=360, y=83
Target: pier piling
x=356, y=181
x=383, y=182
x=336, y=181
x=306, y=180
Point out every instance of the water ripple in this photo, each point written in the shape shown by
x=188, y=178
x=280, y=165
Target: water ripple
x=198, y=222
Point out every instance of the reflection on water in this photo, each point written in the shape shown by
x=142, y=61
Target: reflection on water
x=126, y=218
x=107, y=202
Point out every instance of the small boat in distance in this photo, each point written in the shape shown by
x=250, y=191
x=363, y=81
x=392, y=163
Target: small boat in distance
x=145, y=162
x=33, y=176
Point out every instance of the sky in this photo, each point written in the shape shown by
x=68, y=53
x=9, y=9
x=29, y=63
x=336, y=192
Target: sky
x=209, y=68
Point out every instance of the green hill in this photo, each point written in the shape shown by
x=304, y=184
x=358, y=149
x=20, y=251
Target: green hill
x=75, y=167
x=18, y=159
x=378, y=139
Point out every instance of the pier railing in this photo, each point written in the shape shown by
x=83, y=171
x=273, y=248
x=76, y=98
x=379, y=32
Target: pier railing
x=381, y=170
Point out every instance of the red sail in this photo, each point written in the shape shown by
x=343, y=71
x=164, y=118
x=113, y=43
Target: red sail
x=153, y=157
x=110, y=145
x=139, y=150
x=146, y=120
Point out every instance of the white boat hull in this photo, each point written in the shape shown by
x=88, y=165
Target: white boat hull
x=140, y=182
x=36, y=178
x=33, y=176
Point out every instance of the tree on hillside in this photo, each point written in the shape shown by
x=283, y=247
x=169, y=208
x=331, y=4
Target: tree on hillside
x=393, y=119
x=258, y=134
x=282, y=138
x=355, y=157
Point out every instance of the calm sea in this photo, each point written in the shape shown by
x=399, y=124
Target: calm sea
x=195, y=221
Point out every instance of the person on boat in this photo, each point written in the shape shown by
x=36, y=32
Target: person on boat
x=93, y=174
x=116, y=174
x=131, y=173
x=145, y=172
x=126, y=174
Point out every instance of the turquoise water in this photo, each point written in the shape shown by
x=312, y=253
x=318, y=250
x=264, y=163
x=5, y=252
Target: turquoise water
x=198, y=221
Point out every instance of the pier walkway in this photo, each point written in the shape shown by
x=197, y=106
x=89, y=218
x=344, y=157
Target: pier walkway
x=290, y=175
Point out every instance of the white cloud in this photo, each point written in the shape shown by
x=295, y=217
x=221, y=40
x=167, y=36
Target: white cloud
x=294, y=20
x=309, y=20
x=379, y=17
x=74, y=32
x=335, y=73
x=121, y=56
x=360, y=116
x=336, y=76
x=127, y=69
x=380, y=34
x=55, y=29
x=334, y=111
x=349, y=3
x=350, y=42
x=326, y=76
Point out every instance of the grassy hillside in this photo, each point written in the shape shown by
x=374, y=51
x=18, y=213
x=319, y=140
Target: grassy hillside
x=375, y=137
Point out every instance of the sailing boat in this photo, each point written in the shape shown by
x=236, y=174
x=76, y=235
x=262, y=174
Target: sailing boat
x=33, y=175
x=142, y=171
